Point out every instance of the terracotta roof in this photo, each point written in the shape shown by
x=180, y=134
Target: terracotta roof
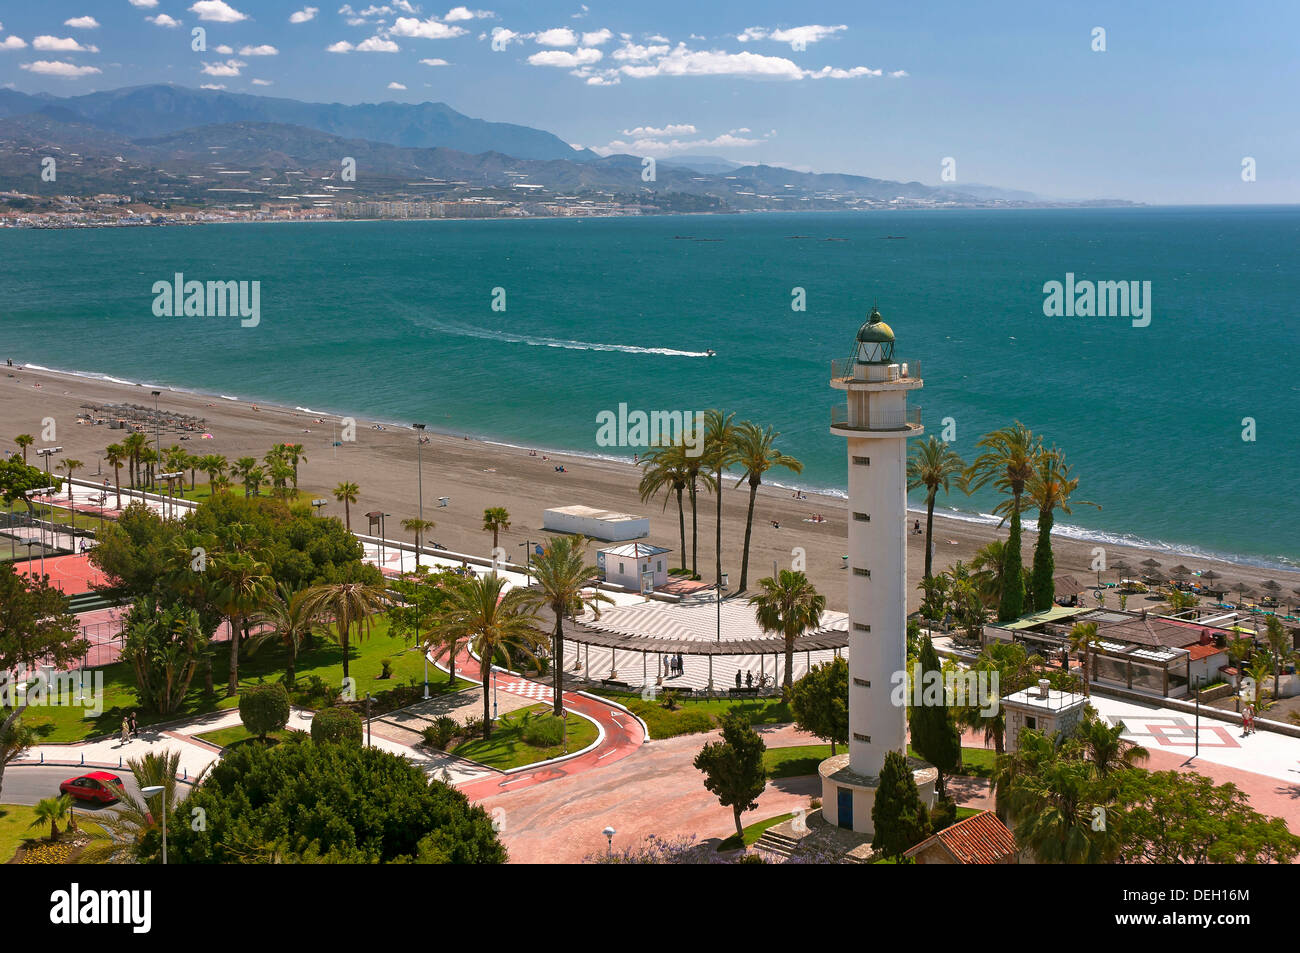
x=1198, y=652
x=982, y=839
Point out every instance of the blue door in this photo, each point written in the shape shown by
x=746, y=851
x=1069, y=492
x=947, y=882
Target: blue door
x=844, y=809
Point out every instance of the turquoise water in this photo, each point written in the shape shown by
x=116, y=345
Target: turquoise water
x=394, y=320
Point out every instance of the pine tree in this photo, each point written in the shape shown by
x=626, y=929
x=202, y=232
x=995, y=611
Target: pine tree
x=935, y=735
x=898, y=814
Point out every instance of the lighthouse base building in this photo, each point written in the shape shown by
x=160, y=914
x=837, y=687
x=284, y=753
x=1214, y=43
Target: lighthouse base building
x=876, y=424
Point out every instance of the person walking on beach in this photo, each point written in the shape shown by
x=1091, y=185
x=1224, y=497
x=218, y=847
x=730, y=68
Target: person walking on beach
x=126, y=731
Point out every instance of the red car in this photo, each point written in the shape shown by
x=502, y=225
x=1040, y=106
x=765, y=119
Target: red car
x=92, y=787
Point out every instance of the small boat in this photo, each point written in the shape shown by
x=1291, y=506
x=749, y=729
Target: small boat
x=710, y=353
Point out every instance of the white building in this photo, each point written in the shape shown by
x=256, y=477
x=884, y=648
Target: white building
x=1043, y=709
x=876, y=424
x=606, y=525
x=634, y=565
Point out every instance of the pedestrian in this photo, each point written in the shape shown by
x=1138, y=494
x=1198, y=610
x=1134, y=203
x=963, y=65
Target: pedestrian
x=135, y=726
x=126, y=731
x=737, y=678
x=749, y=679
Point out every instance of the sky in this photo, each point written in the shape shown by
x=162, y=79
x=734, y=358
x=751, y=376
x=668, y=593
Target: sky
x=1187, y=102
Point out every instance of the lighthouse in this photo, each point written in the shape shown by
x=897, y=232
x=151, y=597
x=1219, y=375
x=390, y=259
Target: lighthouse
x=876, y=424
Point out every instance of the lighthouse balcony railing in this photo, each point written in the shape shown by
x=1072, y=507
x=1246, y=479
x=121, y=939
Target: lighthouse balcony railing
x=907, y=370
x=904, y=420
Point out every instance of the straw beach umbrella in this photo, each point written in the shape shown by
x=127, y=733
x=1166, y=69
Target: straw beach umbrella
x=1209, y=576
x=1180, y=570
x=1241, y=588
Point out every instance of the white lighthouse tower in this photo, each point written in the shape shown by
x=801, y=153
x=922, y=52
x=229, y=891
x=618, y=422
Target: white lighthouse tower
x=876, y=423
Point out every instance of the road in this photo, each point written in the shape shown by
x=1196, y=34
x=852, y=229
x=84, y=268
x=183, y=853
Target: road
x=29, y=784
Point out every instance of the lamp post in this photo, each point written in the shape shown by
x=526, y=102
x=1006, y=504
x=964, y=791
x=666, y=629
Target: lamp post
x=495, y=681
x=528, y=561
x=153, y=790
x=1196, y=687
x=722, y=587
x=368, y=744
x=609, y=833
x=157, y=425
x=41, y=526
x=419, y=482
x=318, y=503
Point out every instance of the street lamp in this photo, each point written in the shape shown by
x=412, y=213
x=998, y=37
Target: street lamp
x=495, y=680
x=722, y=587
x=419, y=481
x=318, y=503
x=609, y=833
x=157, y=425
x=368, y=744
x=528, y=561
x=153, y=790
x=41, y=526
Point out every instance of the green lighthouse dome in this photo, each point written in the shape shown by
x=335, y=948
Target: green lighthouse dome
x=875, y=331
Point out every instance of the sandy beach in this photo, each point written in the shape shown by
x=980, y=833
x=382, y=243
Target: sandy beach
x=476, y=475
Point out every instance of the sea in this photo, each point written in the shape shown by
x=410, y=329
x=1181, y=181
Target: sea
x=1184, y=425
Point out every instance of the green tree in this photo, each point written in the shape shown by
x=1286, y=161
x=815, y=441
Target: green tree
x=1008, y=460
x=164, y=645
x=337, y=726
x=17, y=479
x=346, y=605
x=24, y=440
x=135, y=445
x=496, y=622
x=898, y=815
x=1084, y=641
x=564, y=586
x=733, y=767
x=51, y=810
x=932, y=465
x=755, y=452
x=132, y=831
x=820, y=702
x=347, y=493
x=1103, y=747
x=242, y=586
x=719, y=454
x=666, y=471
x=264, y=708
x=284, y=619
x=1010, y=668
x=935, y=734
x=347, y=804
x=789, y=606
x=1049, y=489
x=418, y=527
x=1281, y=649
x=115, y=457
x=495, y=519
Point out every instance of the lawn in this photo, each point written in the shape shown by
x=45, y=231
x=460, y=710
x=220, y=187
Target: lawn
x=752, y=833
x=508, y=749
x=16, y=829
x=325, y=660
x=238, y=734
x=803, y=759
x=699, y=714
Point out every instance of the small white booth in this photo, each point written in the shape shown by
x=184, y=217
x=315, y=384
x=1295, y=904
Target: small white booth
x=636, y=566
x=596, y=523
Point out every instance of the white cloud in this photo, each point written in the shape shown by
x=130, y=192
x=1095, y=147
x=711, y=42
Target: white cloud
x=651, y=132
x=898, y=74
x=560, y=36
x=464, y=13
x=686, y=62
x=396, y=85
x=146, y=4
x=228, y=68
x=61, y=44
x=429, y=29
x=655, y=144
x=164, y=20
x=305, y=14
x=566, y=59
x=827, y=72
x=82, y=23
x=501, y=37
x=224, y=49
x=13, y=43
x=213, y=86
x=377, y=44
x=813, y=33
x=435, y=62
x=60, y=69
x=217, y=11
x=264, y=50
x=597, y=37
x=342, y=46
x=635, y=53
x=262, y=82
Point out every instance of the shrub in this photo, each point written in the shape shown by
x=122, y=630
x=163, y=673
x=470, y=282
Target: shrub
x=386, y=670
x=336, y=725
x=472, y=728
x=543, y=731
x=440, y=733
x=943, y=814
x=264, y=708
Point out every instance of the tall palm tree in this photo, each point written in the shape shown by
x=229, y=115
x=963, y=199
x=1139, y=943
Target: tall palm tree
x=214, y=465
x=1105, y=750
x=51, y=810
x=135, y=445
x=242, y=586
x=132, y=831
x=71, y=466
x=241, y=469
x=1049, y=489
x=115, y=456
x=347, y=493
x=789, y=605
x=346, y=604
x=148, y=460
x=495, y=519
x=419, y=527
x=280, y=474
x=719, y=454
x=932, y=465
x=698, y=475
x=987, y=566
x=756, y=453
x=284, y=619
x=1009, y=458
x=24, y=440
x=293, y=452
x=666, y=472
x=563, y=577
x=1281, y=649
x=1084, y=640
x=494, y=621
x=1053, y=807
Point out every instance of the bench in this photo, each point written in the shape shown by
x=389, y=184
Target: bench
x=743, y=690
x=614, y=683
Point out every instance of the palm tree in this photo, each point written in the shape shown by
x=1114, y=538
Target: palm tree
x=347, y=493
x=1053, y=805
x=148, y=458
x=346, y=604
x=214, y=465
x=242, y=587
x=495, y=519
x=563, y=577
x=496, y=623
x=135, y=445
x=419, y=527
x=697, y=475
x=789, y=606
x=1282, y=649
x=1049, y=489
x=50, y=811
x=115, y=456
x=132, y=831
x=242, y=469
x=24, y=440
x=285, y=620
x=719, y=453
x=293, y=452
x=1084, y=640
x=666, y=471
x=280, y=473
x=987, y=566
x=932, y=464
x=754, y=451
x=71, y=466
x=1009, y=459
x=1105, y=750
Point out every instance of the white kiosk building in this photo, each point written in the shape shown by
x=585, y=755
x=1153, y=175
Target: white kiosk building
x=876, y=424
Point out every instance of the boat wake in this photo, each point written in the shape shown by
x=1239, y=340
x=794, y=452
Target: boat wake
x=533, y=341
